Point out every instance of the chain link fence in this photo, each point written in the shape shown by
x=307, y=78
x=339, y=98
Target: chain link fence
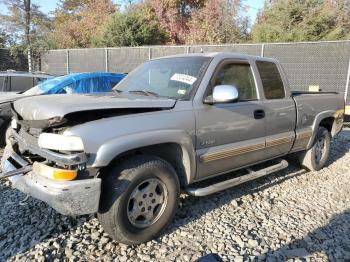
x=323, y=64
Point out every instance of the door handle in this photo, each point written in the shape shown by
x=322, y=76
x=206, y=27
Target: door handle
x=259, y=114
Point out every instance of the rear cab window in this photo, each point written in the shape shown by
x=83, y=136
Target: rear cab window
x=271, y=80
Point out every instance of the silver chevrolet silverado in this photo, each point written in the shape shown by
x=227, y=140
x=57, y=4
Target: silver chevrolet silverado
x=172, y=122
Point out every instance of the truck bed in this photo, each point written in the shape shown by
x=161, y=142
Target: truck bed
x=313, y=105
x=298, y=93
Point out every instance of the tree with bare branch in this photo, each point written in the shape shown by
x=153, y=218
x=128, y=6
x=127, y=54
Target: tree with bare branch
x=25, y=23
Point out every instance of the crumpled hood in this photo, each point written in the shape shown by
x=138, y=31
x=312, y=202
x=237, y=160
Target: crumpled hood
x=46, y=107
x=9, y=97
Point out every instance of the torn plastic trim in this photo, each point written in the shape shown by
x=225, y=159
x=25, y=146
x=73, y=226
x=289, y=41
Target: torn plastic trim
x=41, y=124
x=12, y=164
x=19, y=171
x=63, y=159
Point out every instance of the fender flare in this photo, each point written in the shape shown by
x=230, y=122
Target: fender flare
x=115, y=147
x=318, y=118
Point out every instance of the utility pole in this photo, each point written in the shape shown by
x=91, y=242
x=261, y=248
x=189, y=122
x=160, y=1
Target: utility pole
x=27, y=7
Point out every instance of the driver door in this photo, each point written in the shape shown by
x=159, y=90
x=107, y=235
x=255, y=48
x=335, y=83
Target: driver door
x=230, y=135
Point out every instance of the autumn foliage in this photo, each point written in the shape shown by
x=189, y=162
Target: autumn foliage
x=102, y=23
x=87, y=23
x=77, y=23
x=303, y=20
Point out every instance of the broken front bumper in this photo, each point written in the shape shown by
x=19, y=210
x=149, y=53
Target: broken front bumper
x=76, y=197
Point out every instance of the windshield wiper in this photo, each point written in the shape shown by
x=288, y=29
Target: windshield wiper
x=147, y=93
x=117, y=91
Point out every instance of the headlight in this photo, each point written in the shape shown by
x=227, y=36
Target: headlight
x=60, y=142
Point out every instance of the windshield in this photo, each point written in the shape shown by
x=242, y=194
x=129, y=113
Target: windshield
x=167, y=77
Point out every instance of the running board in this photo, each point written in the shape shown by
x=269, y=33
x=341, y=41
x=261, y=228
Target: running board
x=204, y=191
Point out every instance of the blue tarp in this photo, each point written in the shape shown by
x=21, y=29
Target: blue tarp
x=78, y=83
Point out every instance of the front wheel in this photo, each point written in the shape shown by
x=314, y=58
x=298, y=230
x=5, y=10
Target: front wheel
x=139, y=199
x=316, y=157
x=5, y=134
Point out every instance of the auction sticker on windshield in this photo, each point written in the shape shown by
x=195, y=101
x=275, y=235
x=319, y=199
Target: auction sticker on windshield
x=187, y=79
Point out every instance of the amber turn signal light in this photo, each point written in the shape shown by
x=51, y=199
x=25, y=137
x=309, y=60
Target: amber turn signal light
x=54, y=173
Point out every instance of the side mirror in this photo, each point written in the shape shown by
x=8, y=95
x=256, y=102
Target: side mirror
x=222, y=94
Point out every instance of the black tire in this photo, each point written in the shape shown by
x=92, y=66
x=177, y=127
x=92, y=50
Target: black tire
x=311, y=159
x=5, y=134
x=120, y=184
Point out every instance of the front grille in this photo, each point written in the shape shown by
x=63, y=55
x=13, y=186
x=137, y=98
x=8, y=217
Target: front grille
x=28, y=145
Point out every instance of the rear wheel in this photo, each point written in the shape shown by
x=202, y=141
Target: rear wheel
x=316, y=157
x=139, y=199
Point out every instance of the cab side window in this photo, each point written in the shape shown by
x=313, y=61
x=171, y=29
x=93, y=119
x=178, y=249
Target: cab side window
x=240, y=76
x=271, y=80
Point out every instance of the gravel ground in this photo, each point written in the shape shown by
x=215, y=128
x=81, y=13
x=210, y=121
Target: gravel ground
x=291, y=215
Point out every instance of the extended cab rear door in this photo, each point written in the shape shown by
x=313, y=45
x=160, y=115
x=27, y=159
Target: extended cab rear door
x=279, y=109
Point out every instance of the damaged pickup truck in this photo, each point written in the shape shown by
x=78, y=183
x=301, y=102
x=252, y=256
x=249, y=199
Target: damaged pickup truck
x=174, y=121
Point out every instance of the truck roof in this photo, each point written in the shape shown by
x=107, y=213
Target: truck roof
x=221, y=55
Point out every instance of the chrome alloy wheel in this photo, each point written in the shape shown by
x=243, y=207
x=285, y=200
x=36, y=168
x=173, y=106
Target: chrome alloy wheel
x=147, y=203
x=320, y=149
